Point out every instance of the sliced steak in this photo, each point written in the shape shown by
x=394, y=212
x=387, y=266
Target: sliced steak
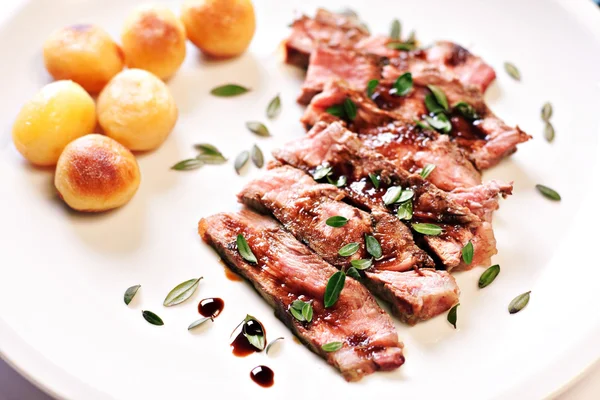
x=325, y=29
x=401, y=142
x=335, y=146
x=303, y=207
x=286, y=271
x=416, y=295
x=326, y=63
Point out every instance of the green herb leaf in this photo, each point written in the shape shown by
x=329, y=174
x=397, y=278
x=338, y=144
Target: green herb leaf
x=334, y=288
x=205, y=148
x=427, y=169
x=229, y=90
x=257, y=156
x=152, y=318
x=307, y=312
x=271, y=343
x=375, y=180
x=185, y=165
x=466, y=110
x=337, y=110
x=402, y=46
x=452, y=315
x=519, y=303
x=321, y=172
x=245, y=250
x=392, y=195
x=274, y=107
x=373, y=246
x=130, y=293
x=549, y=132
x=488, y=276
x=297, y=314
x=412, y=39
x=341, y=182
x=440, y=96
x=432, y=105
x=349, y=109
x=257, y=341
x=371, y=86
x=548, y=193
x=353, y=273
x=405, y=211
x=348, y=12
x=181, y=292
x=332, y=346
x=422, y=124
x=211, y=159
x=349, y=249
x=546, y=112
x=257, y=128
x=241, y=160
x=439, y=122
x=406, y=195
x=395, y=30
x=362, y=264
x=427, y=229
x=199, y=322
x=403, y=84
x=337, y=221
x=297, y=304
x=467, y=253
x=512, y=71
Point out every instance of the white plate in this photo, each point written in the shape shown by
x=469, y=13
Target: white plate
x=62, y=318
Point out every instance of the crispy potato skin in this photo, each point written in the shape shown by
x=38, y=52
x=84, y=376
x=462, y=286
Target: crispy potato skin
x=137, y=110
x=59, y=113
x=220, y=28
x=95, y=173
x=153, y=38
x=85, y=54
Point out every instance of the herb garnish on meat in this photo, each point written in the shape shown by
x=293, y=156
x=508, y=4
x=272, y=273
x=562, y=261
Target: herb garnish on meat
x=301, y=310
x=349, y=249
x=334, y=287
x=244, y=250
x=336, y=221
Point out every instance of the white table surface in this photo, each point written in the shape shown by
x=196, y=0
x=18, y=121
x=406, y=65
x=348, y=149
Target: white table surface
x=14, y=387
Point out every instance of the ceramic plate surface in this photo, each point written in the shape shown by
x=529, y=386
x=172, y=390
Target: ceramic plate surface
x=62, y=275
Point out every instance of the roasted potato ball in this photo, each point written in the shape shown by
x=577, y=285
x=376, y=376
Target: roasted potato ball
x=137, y=110
x=59, y=113
x=85, y=54
x=154, y=39
x=96, y=173
x=220, y=28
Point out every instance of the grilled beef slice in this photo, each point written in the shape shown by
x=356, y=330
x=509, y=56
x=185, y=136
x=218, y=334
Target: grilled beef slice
x=341, y=149
x=401, y=142
x=286, y=271
x=325, y=29
x=303, y=207
x=485, y=141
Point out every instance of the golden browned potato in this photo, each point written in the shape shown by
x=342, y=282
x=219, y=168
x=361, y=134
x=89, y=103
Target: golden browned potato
x=59, y=113
x=137, y=110
x=85, y=54
x=96, y=173
x=153, y=39
x=220, y=28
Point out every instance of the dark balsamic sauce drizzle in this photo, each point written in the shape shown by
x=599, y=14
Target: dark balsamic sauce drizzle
x=240, y=346
x=263, y=376
x=211, y=307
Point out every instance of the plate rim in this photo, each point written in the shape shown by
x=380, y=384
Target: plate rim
x=58, y=383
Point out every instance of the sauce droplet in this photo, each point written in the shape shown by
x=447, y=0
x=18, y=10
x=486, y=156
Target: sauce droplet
x=263, y=376
x=241, y=347
x=232, y=276
x=211, y=307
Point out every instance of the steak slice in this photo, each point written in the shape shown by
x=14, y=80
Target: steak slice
x=415, y=295
x=303, y=207
x=325, y=29
x=401, y=142
x=286, y=271
x=335, y=146
x=326, y=63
